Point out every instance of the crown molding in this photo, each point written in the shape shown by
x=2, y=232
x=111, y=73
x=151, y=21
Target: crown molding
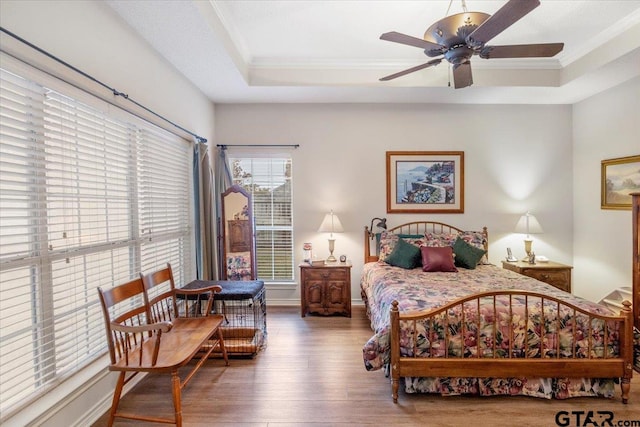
x=602, y=38
x=337, y=64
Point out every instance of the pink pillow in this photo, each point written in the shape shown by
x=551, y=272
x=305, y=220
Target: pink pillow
x=437, y=259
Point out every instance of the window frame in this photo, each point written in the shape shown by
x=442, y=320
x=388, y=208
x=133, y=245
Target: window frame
x=246, y=178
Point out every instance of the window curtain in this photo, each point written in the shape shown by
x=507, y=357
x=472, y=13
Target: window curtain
x=222, y=182
x=206, y=234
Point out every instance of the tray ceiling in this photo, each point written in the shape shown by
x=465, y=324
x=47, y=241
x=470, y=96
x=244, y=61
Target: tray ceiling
x=329, y=51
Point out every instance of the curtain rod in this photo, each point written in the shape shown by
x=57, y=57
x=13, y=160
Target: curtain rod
x=115, y=92
x=258, y=145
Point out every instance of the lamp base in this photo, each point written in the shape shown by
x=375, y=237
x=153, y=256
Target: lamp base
x=527, y=246
x=331, y=258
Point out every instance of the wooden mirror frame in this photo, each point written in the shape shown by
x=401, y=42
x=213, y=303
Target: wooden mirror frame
x=237, y=232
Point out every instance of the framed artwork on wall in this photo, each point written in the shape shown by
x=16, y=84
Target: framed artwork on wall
x=619, y=178
x=425, y=181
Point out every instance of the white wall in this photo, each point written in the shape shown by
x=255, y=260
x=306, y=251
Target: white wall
x=606, y=126
x=88, y=35
x=516, y=158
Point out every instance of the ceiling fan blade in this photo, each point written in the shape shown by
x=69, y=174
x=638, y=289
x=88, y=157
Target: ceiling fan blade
x=501, y=20
x=462, y=75
x=411, y=70
x=542, y=50
x=396, y=37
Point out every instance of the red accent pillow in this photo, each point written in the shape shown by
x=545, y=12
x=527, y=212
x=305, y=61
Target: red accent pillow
x=437, y=259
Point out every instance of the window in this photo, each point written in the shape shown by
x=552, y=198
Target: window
x=268, y=180
x=89, y=196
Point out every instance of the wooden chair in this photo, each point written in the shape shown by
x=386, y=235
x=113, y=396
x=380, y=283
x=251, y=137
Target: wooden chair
x=153, y=327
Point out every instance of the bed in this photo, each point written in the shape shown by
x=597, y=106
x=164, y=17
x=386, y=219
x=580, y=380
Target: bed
x=479, y=329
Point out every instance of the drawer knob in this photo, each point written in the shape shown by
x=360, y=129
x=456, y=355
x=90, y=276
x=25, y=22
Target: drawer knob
x=544, y=276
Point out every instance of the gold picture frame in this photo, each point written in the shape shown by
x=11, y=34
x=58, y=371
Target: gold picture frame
x=425, y=181
x=619, y=178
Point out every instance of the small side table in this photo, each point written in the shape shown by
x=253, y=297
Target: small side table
x=325, y=289
x=553, y=273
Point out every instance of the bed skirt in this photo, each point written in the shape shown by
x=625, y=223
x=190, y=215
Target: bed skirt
x=546, y=388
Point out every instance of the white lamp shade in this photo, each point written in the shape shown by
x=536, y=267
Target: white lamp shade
x=528, y=224
x=331, y=224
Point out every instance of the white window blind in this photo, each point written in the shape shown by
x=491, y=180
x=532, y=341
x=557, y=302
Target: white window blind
x=86, y=200
x=269, y=181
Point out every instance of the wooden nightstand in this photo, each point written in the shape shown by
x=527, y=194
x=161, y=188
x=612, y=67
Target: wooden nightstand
x=553, y=273
x=325, y=289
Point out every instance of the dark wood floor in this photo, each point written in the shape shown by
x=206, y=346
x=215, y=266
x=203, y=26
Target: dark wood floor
x=311, y=374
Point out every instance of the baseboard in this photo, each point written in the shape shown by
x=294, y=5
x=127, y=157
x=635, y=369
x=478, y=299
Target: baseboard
x=283, y=302
x=296, y=302
x=103, y=405
x=80, y=401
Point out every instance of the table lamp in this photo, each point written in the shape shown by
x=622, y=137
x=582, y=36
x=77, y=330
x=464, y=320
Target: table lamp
x=331, y=224
x=528, y=224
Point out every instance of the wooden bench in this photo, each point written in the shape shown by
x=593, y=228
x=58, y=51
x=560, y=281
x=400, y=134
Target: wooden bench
x=153, y=327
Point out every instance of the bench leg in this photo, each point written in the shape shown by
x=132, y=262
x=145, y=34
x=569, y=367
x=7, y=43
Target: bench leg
x=116, y=398
x=177, y=404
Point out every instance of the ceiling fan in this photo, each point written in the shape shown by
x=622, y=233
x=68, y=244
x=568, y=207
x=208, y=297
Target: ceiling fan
x=458, y=37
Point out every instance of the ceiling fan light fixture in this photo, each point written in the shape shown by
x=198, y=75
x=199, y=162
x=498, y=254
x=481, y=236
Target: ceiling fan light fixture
x=454, y=29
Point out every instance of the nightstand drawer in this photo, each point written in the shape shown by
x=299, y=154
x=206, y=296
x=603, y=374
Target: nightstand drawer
x=553, y=273
x=561, y=279
x=320, y=273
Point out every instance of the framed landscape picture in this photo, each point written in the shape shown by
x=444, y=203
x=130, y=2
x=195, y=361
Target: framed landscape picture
x=619, y=178
x=425, y=181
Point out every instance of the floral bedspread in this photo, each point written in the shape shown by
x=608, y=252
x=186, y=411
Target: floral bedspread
x=416, y=290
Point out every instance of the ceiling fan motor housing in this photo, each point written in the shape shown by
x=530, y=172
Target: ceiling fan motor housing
x=458, y=54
